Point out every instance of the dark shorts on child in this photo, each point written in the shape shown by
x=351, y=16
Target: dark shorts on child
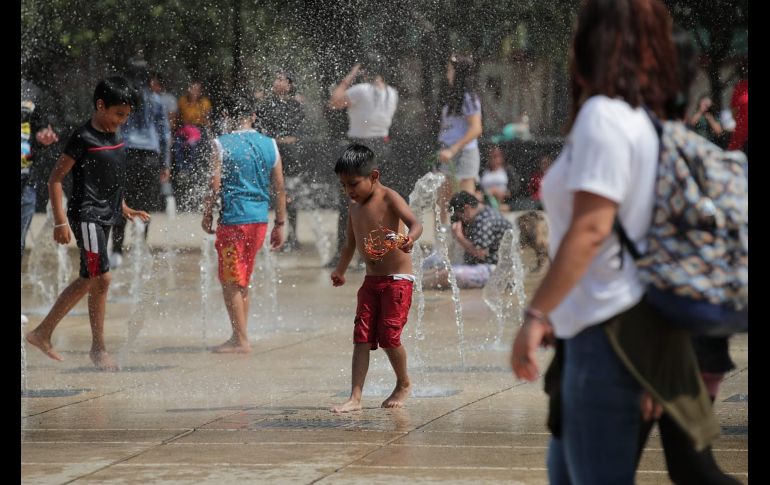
x=383, y=307
x=92, y=239
x=237, y=246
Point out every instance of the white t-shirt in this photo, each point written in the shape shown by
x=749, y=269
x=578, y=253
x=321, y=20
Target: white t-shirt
x=612, y=151
x=494, y=179
x=371, y=110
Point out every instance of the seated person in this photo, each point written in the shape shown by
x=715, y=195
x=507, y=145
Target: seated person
x=533, y=233
x=478, y=229
x=494, y=178
x=537, y=178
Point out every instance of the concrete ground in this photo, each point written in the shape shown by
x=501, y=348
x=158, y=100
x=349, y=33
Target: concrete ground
x=177, y=413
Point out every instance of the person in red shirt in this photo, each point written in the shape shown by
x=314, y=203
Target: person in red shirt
x=739, y=103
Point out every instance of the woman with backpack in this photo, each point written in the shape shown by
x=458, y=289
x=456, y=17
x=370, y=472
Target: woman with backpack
x=591, y=298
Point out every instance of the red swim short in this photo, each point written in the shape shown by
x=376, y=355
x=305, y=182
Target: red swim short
x=237, y=245
x=383, y=307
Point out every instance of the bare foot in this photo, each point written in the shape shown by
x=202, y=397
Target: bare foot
x=231, y=347
x=398, y=397
x=44, y=344
x=349, y=405
x=103, y=361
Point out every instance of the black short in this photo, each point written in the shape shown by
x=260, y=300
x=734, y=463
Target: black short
x=92, y=240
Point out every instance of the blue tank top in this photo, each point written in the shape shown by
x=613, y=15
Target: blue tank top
x=248, y=158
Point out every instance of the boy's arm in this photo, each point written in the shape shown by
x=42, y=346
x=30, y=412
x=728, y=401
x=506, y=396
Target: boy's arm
x=467, y=245
x=215, y=183
x=338, y=276
x=130, y=213
x=279, y=196
x=61, y=229
x=402, y=210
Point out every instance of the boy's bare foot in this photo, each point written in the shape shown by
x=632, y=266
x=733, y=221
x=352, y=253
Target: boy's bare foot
x=398, y=397
x=103, y=361
x=43, y=344
x=231, y=347
x=349, y=405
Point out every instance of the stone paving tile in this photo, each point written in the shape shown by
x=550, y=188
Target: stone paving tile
x=459, y=456
x=474, y=439
x=304, y=436
x=62, y=461
x=144, y=436
x=253, y=454
x=428, y=474
x=96, y=417
x=187, y=473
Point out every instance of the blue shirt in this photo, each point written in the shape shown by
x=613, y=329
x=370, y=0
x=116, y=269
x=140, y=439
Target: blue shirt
x=248, y=158
x=147, y=128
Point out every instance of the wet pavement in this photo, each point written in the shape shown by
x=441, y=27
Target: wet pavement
x=177, y=413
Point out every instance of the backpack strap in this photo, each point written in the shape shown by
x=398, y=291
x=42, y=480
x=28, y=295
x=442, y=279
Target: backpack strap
x=617, y=226
x=625, y=241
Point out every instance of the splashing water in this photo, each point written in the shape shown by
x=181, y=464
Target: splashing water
x=264, y=289
x=322, y=239
x=146, y=301
x=23, y=361
x=423, y=198
x=207, y=275
x=140, y=260
x=506, y=279
x=48, y=281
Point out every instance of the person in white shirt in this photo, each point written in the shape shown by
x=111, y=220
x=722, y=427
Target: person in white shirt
x=494, y=178
x=370, y=106
x=623, y=60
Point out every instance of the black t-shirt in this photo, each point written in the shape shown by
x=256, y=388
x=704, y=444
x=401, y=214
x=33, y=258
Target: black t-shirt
x=485, y=231
x=278, y=117
x=98, y=176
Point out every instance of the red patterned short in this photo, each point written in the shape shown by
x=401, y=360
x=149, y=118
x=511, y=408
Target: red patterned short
x=383, y=307
x=237, y=246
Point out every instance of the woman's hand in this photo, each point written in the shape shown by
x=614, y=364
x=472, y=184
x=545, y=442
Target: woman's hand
x=650, y=408
x=446, y=154
x=532, y=334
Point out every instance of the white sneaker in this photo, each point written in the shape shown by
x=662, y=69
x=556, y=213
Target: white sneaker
x=24, y=319
x=116, y=259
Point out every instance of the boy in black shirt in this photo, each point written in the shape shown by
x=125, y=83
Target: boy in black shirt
x=96, y=155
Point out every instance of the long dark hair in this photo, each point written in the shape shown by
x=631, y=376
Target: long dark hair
x=464, y=82
x=623, y=48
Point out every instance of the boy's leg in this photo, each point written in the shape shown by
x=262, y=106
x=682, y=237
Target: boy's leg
x=236, y=301
x=40, y=337
x=397, y=357
x=360, y=368
x=237, y=247
x=396, y=299
x=97, y=303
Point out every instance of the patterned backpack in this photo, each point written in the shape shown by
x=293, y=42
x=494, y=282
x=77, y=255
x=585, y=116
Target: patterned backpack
x=696, y=263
